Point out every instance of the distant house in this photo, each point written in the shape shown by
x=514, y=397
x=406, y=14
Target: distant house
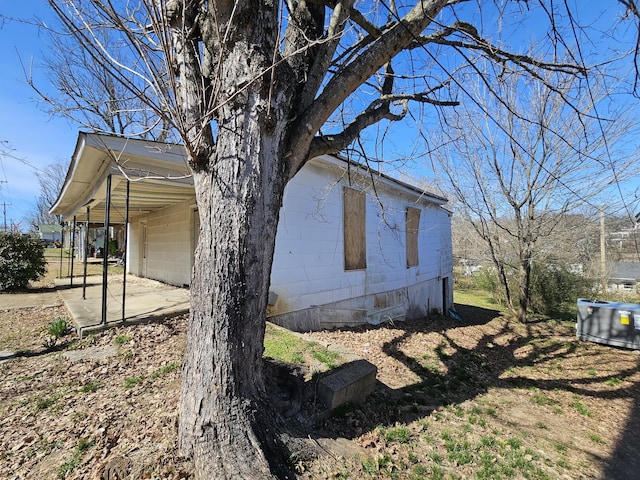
x=50, y=233
x=345, y=253
x=624, y=276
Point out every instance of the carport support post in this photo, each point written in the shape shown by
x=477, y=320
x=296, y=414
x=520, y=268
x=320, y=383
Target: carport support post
x=86, y=258
x=73, y=247
x=61, y=248
x=105, y=250
x=124, y=253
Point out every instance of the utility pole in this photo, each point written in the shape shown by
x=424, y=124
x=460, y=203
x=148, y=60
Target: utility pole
x=4, y=210
x=603, y=255
x=4, y=214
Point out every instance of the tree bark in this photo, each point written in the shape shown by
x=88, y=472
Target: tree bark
x=524, y=287
x=224, y=424
x=226, y=427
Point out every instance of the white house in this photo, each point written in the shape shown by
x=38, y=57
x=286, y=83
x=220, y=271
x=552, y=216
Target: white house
x=50, y=233
x=352, y=246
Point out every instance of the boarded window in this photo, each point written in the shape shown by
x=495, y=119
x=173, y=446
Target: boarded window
x=355, y=238
x=412, y=227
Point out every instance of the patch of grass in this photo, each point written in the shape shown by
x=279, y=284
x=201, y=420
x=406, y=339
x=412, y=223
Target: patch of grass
x=325, y=356
x=42, y=403
x=596, y=438
x=543, y=399
x=91, y=387
x=369, y=466
x=130, y=382
x=437, y=473
x=287, y=347
x=459, y=452
x=165, y=369
x=397, y=435
x=514, y=443
x=121, y=340
x=614, y=382
x=581, y=408
x=420, y=470
x=488, y=441
x=70, y=465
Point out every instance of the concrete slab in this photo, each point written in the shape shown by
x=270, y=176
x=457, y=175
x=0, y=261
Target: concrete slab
x=144, y=299
x=41, y=298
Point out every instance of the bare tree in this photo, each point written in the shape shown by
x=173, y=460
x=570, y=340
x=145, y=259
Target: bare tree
x=255, y=89
x=88, y=94
x=521, y=170
x=51, y=179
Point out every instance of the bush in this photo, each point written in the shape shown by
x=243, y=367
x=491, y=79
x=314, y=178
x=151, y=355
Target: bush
x=553, y=286
x=21, y=261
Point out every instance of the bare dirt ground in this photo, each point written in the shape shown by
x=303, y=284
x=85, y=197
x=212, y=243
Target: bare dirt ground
x=484, y=399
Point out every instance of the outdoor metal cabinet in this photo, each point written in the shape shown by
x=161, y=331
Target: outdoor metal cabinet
x=610, y=323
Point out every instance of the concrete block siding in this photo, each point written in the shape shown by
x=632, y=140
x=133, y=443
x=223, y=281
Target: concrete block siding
x=308, y=268
x=169, y=250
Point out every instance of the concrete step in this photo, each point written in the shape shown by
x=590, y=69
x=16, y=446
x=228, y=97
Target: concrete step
x=350, y=383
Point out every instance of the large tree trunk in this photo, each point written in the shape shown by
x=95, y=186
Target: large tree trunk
x=225, y=425
x=524, y=282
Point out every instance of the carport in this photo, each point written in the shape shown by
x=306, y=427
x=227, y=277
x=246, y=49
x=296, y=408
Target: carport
x=113, y=180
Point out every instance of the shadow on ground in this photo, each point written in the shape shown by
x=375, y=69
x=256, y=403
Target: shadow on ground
x=496, y=358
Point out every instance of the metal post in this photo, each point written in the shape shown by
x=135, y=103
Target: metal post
x=61, y=248
x=105, y=246
x=124, y=253
x=73, y=247
x=86, y=258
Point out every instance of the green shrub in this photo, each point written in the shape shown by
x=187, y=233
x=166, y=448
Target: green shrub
x=58, y=328
x=21, y=261
x=554, y=285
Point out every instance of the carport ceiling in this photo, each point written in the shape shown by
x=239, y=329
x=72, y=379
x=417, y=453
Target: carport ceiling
x=157, y=174
x=145, y=196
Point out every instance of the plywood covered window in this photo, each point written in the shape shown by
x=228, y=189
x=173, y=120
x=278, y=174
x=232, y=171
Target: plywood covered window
x=412, y=225
x=355, y=237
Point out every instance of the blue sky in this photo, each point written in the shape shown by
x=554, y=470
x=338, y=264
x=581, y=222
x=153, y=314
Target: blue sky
x=32, y=134
x=41, y=140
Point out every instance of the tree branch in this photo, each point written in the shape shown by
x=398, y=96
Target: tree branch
x=391, y=42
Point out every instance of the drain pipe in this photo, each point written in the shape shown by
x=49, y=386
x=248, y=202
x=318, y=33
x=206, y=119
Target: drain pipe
x=105, y=248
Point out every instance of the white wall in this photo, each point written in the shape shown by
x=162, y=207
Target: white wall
x=308, y=267
x=169, y=245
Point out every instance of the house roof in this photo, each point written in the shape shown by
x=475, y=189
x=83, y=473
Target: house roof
x=629, y=271
x=158, y=176
x=158, y=173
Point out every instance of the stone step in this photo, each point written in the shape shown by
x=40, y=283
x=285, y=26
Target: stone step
x=350, y=383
